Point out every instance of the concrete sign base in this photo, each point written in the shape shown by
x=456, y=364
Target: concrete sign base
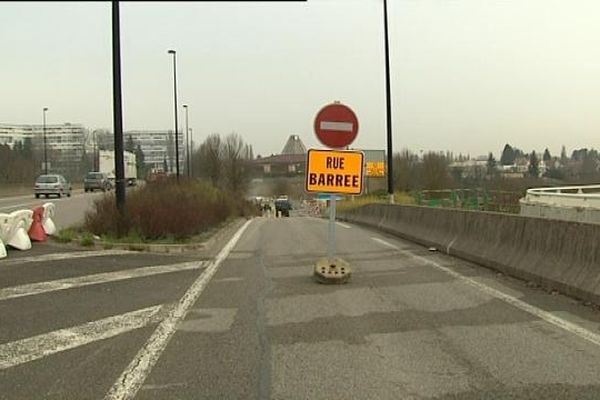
x=334, y=271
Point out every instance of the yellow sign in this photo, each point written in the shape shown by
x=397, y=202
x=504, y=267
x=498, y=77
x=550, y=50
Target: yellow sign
x=375, y=168
x=333, y=171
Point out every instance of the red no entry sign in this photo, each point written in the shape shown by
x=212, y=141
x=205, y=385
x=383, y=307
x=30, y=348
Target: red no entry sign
x=336, y=125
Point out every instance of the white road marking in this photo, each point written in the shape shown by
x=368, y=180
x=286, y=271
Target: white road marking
x=383, y=242
x=343, y=225
x=336, y=126
x=132, y=379
x=41, y=201
x=80, y=281
x=66, y=256
x=544, y=315
x=21, y=206
x=40, y=346
x=13, y=198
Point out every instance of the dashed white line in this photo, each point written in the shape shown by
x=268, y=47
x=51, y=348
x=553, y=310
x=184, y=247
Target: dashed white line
x=66, y=256
x=40, y=346
x=132, y=379
x=344, y=225
x=383, y=242
x=71, y=283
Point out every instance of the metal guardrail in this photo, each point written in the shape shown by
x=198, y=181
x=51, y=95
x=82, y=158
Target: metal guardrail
x=587, y=196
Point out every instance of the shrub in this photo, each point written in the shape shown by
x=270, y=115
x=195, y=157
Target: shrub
x=166, y=209
x=65, y=235
x=86, y=239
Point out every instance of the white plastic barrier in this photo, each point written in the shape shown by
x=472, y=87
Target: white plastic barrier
x=2, y=249
x=4, y=231
x=14, y=227
x=47, y=223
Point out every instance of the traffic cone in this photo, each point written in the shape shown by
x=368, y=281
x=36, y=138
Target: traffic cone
x=37, y=232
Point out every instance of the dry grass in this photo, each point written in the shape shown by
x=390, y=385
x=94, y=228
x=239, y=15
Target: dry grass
x=166, y=209
x=399, y=198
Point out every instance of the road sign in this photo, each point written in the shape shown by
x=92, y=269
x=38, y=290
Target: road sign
x=334, y=171
x=336, y=125
x=327, y=196
x=375, y=168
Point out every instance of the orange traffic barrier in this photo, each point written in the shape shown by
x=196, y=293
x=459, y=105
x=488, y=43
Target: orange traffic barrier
x=37, y=232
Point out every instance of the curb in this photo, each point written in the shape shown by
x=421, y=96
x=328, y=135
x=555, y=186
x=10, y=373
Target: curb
x=208, y=247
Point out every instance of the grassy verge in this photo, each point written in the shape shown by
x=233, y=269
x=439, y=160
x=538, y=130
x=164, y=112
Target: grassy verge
x=67, y=235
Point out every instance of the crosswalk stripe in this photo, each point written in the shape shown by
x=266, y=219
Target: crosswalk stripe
x=65, y=256
x=70, y=283
x=40, y=346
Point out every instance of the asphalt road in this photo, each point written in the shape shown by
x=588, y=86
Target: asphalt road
x=252, y=324
x=69, y=210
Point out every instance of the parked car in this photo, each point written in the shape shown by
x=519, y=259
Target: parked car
x=52, y=184
x=283, y=204
x=96, y=181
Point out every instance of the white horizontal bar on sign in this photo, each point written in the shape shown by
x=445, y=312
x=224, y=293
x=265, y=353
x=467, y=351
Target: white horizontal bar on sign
x=336, y=126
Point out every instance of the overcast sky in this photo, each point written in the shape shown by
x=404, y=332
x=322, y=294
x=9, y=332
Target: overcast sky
x=467, y=75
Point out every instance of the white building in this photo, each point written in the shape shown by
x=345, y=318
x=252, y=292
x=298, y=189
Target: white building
x=158, y=146
x=64, y=142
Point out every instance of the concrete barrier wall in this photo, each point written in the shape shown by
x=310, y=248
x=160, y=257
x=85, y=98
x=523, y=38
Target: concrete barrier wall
x=560, y=255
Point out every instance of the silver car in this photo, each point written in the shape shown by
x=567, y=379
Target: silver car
x=53, y=184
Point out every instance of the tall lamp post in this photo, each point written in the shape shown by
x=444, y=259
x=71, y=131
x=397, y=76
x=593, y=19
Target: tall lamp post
x=388, y=94
x=45, y=145
x=118, y=110
x=191, y=151
x=187, y=143
x=175, y=101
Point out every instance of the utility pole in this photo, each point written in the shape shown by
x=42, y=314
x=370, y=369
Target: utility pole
x=117, y=108
x=388, y=93
x=45, y=145
x=175, y=101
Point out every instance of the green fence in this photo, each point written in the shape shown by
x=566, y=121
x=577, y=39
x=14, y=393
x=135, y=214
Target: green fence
x=470, y=199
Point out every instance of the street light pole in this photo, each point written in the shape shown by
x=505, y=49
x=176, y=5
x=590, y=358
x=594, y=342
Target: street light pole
x=118, y=109
x=191, y=151
x=187, y=140
x=175, y=101
x=45, y=150
x=388, y=93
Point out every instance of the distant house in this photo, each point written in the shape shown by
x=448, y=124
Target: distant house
x=291, y=160
x=470, y=168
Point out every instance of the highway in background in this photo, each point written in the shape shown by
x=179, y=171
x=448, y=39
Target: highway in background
x=69, y=210
x=411, y=324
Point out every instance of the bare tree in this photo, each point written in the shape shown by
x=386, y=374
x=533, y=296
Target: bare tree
x=434, y=171
x=208, y=159
x=405, y=165
x=235, y=158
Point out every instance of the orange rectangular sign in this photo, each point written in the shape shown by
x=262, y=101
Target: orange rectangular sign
x=334, y=171
x=375, y=168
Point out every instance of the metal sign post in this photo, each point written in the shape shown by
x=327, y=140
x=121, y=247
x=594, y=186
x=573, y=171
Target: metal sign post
x=334, y=172
x=332, y=230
